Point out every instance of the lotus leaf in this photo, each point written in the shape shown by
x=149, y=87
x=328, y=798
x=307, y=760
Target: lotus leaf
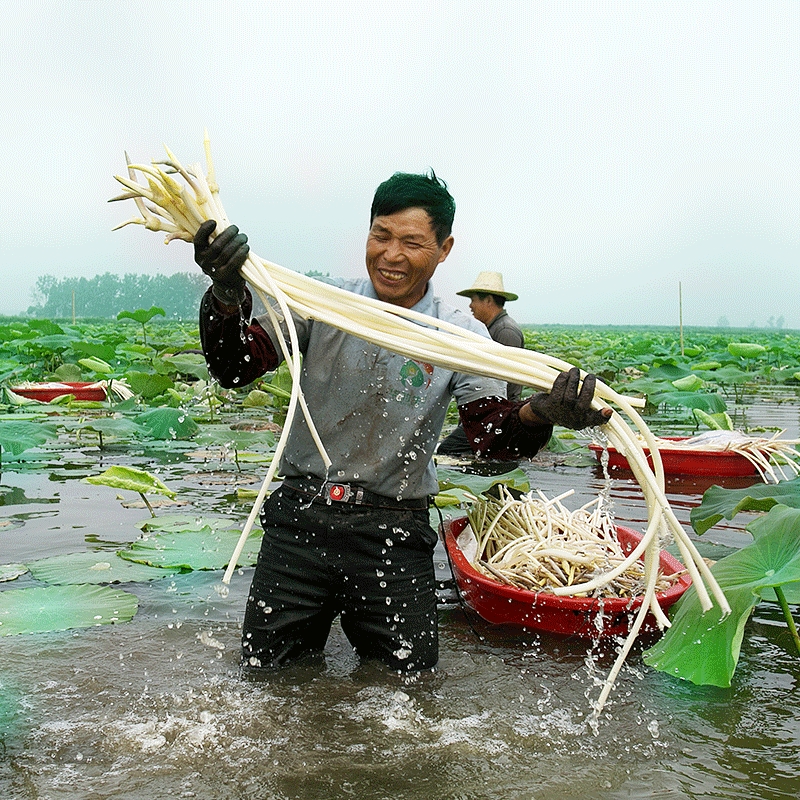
x=193, y=549
x=112, y=426
x=168, y=423
x=141, y=315
x=704, y=647
x=729, y=375
x=717, y=422
x=224, y=436
x=188, y=364
x=256, y=399
x=689, y=383
x=758, y=528
x=67, y=373
x=104, y=352
x=478, y=484
x=96, y=567
x=746, y=349
x=711, y=403
x=60, y=608
x=148, y=384
x=10, y=572
x=45, y=326
x=17, y=437
x=96, y=365
x=719, y=503
x=668, y=372
x=132, y=479
x=452, y=497
x=175, y=522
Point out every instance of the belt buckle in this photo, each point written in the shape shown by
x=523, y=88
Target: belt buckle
x=338, y=492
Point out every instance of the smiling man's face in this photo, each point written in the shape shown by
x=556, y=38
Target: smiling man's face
x=402, y=255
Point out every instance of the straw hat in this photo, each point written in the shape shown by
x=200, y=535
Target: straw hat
x=488, y=283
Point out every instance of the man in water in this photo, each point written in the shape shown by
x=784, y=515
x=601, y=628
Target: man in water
x=487, y=300
x=354, y=540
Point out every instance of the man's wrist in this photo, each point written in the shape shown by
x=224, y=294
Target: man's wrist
x=529, y=417
x=228, y=299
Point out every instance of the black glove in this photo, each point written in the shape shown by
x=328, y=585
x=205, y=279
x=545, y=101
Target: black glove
x=566, y=406
x=221, y=261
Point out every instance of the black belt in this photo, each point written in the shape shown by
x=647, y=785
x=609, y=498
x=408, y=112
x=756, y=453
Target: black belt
x=330, y=492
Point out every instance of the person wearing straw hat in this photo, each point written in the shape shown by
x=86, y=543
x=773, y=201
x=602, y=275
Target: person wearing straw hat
x=487, y=300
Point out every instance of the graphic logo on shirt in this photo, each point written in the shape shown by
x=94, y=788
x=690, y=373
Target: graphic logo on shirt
x=416, y=374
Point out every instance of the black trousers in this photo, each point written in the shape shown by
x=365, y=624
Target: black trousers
x=373, y=566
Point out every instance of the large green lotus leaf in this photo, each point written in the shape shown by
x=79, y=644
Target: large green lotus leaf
x=45, y=326
x=649, y=386
x=102, y=567
x=148, y=384
x=746, y=349
x=54, y=341
x=704, y=648
x=60, y=608
x=105, y=352
x=235, y=440
x=717, y=422
x=478, y=484
x=192, y=550
x=719, y=503
x=96, y=365
x=132, y=479
x=668, y=372
x=17, y=437
x=10, y=572
x=69, y=373
x=168, y=423
x=706, y=365
x=712, y=403
x=174, y=522
x=732, y=375
x=188, y=364
x=688, y=383
x=141, y=315
x=764, y=525
x=112, y=426
x=452, y=497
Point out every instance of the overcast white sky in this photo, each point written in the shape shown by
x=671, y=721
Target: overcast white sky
x=599, y=152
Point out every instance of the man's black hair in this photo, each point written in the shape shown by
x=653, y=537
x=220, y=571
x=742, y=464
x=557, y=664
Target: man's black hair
x=499, y=300
x=408, y=190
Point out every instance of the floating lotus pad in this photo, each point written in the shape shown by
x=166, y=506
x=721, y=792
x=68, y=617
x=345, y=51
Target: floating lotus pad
x=94, y=567
x=132, y=479
x=167, y=423
x=192, y=549
x=10, y=572
x=61, y=608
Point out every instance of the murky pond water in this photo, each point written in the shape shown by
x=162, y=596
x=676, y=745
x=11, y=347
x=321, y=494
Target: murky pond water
x=156, y=707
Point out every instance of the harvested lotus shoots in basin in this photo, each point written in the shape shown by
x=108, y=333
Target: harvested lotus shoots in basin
x=538, y=544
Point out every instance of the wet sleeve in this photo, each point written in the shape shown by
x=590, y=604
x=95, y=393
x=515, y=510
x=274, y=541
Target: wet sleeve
x=494, y=429
x=237, y=353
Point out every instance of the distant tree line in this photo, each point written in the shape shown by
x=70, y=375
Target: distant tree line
x=106, y=295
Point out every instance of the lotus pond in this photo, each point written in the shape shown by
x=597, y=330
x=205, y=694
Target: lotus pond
x=155, y=706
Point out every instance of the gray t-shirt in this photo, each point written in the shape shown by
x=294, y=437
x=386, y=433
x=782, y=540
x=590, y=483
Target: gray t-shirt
x=379, y=414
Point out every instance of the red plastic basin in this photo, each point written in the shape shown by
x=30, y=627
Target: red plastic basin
x=593, y=618
x=685, y=461
x=45, y=392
